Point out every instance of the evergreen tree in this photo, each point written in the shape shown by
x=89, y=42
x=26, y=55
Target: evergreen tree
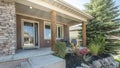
x=105, y=22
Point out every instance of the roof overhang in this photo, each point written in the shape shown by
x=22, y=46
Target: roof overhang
x=59, y=6
x=8, y=0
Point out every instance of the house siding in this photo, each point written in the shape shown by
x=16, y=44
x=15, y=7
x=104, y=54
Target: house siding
x=7, y=28
x=43, y=42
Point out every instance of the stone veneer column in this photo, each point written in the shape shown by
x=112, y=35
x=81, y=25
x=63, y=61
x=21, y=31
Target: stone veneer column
x=7, y=27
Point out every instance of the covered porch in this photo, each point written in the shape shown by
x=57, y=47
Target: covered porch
x=38, y=23
x=54, y=13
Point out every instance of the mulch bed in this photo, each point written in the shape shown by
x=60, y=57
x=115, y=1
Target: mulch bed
x=72, y=61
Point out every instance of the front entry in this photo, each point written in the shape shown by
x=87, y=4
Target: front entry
x=30, y=34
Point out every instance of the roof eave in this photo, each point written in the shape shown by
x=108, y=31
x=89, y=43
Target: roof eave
x=88, y=16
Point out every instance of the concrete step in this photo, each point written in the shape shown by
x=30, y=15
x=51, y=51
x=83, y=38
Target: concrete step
x=32, y=53
x=25, y=65
x=48, y=61
x=18, y=67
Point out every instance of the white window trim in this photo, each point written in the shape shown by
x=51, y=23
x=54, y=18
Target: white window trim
x=47, y=23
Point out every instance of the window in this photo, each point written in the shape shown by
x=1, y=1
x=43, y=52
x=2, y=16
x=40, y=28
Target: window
x=59, y=31
x=47, y=31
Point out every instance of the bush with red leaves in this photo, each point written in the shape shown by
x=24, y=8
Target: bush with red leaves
x=83, y=51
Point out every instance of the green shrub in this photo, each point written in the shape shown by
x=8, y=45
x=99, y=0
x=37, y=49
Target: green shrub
x=100, y=41
x=94, y=49
x=60, y=49
x=97, y=45
x=87, y=58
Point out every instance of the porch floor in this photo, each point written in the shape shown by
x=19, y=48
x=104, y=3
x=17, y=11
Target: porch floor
x=24, y=54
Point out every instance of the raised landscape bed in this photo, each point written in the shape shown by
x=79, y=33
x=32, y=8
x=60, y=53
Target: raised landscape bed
x=101, y=61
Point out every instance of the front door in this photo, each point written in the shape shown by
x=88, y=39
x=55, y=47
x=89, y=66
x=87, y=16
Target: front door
x=30, y=35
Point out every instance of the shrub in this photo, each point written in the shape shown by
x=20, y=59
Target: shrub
x=60, y=49
x=100, y=41
x=74, y=48
x=97, y=45
x=94, y=49
x=83, y=51
x=87, y=58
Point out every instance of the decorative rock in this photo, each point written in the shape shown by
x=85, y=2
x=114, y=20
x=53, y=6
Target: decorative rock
x=97, y=64
x=102, y=63
x=105, y=63
x=116, y=64
x=85, y=65
x=79, y=67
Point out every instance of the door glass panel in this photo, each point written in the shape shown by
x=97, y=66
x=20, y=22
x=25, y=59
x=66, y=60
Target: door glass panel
x=30, y=34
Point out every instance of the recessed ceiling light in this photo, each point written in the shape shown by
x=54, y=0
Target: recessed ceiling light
x=30, y=7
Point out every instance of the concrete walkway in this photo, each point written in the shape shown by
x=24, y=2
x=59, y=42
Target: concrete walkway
x=23, y=54
x=36, y=58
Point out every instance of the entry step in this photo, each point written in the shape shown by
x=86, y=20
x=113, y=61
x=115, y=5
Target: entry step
x=48, y=61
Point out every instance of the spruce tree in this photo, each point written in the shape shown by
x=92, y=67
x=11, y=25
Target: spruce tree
x=106, y=22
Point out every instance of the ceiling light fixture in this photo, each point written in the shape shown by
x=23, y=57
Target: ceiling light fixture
x=30, y=7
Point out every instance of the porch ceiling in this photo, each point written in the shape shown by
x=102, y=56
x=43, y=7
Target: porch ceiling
x=63, y=10
x=44, y=15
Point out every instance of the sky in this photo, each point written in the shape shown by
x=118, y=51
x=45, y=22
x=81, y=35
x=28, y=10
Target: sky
x=80, y=3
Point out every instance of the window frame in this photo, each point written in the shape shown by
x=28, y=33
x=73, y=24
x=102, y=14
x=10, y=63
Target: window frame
x=58, y=25
x=30, y=21
x=47, y=23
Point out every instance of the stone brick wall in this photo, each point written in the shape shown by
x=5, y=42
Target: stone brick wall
x=7, y=28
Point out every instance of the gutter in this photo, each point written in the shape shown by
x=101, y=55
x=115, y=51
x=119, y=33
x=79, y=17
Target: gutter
x=88, y=16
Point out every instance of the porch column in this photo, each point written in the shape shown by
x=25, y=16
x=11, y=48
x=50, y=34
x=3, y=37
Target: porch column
x=7, y=27
x=84, y=33
x=53, y=30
